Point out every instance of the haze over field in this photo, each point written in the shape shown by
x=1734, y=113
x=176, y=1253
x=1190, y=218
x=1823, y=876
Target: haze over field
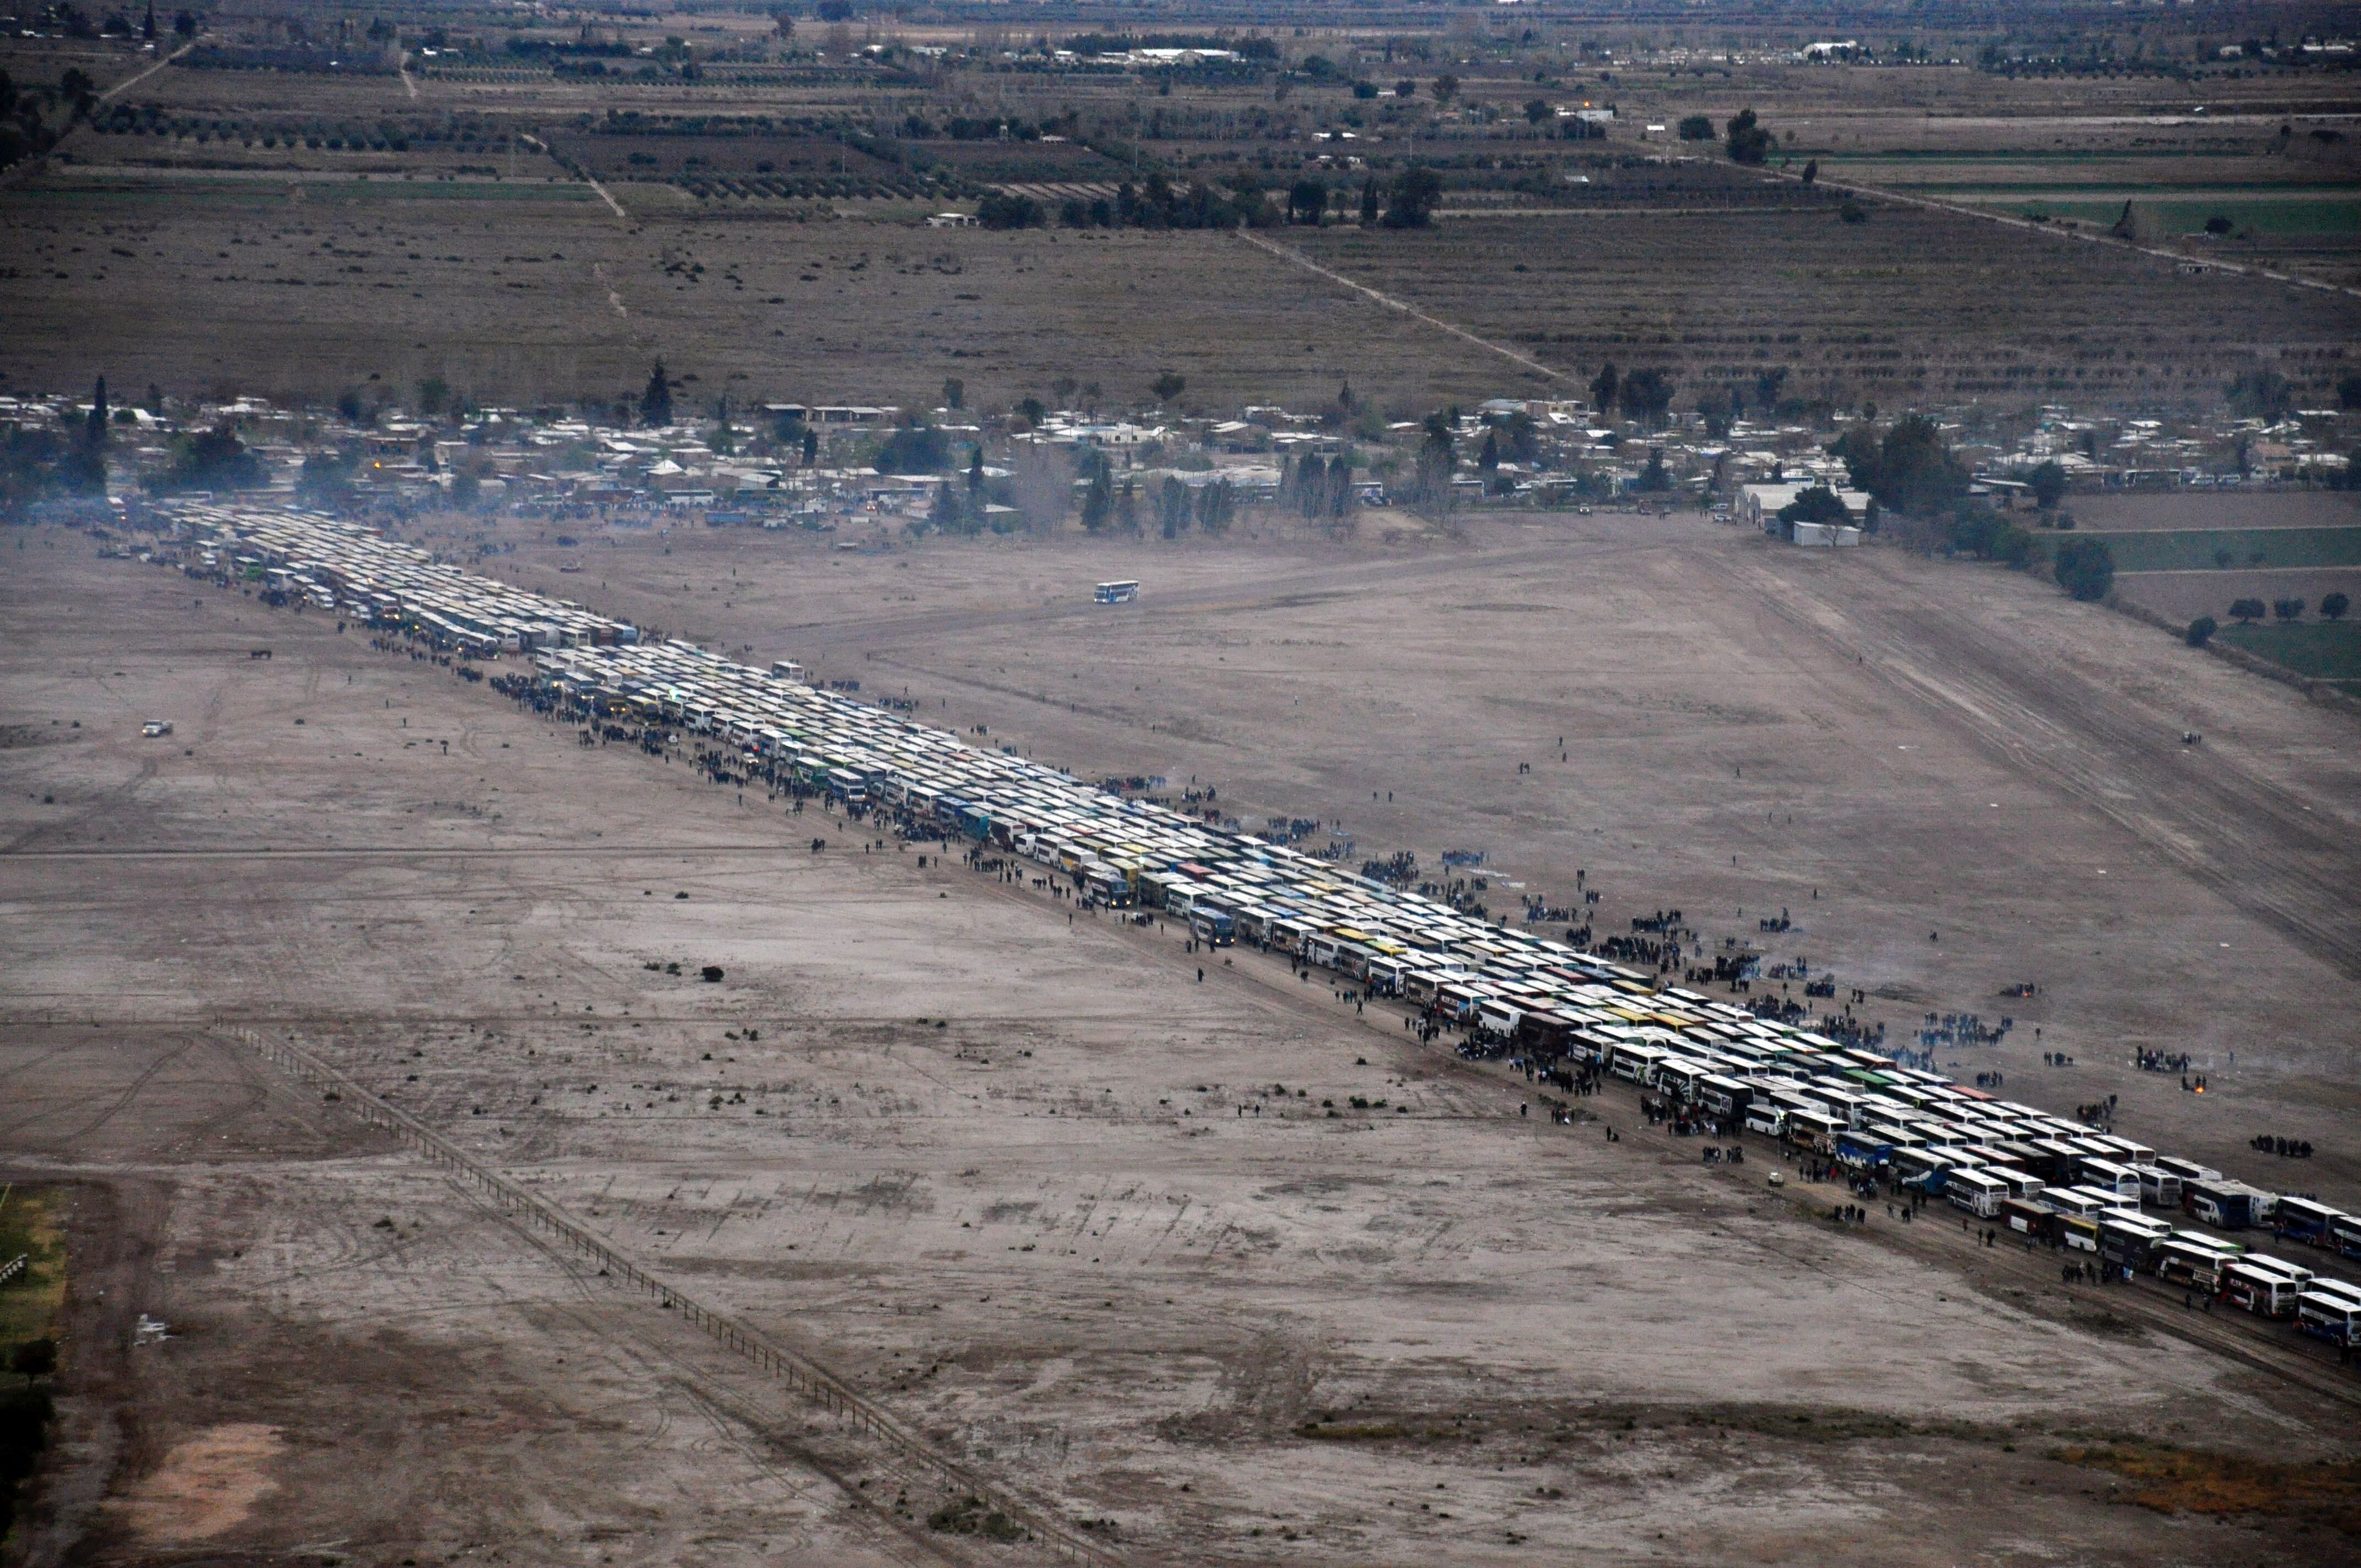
x=840, y=785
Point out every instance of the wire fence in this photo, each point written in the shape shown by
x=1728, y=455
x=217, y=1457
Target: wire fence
x=799, y=1372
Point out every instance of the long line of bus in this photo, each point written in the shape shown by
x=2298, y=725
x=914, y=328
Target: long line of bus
x=1513, y=990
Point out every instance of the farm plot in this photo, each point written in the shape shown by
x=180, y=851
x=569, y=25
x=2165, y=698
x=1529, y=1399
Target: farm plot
x=1909, y=306
x=2327, y=650
x=524, y=292
x=2219, y=549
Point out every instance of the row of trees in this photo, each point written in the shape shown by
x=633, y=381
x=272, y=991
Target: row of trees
x=2332, y=607
x=1407, y=201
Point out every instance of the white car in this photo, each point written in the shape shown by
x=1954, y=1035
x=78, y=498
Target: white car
x=156, y=726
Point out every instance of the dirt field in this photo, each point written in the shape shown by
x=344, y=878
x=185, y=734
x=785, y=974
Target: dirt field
x=1665, y=258
x=1183, y=1300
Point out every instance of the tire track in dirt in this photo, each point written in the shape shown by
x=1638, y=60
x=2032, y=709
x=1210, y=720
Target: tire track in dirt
x=1297, y=259
x=2240, y=835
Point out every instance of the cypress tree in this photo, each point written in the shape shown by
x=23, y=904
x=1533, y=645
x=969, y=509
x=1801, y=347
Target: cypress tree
x=656, y=403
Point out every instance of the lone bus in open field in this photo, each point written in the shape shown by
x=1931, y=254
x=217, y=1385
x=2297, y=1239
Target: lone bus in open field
x=1115, y=593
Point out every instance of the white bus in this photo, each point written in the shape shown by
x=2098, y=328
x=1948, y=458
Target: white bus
x=2159, y=1187
x=2264, y=1286
x=2330, y=1310
x=2106, y=1175
x=2185, y=1261
x=1978, y=1193
x=1115, y=593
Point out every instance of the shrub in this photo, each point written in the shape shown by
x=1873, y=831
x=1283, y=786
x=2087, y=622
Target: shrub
x=2086, y=568
x=2201, y=630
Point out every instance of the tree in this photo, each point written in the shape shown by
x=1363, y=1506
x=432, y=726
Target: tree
x=1002, y=211
x=34, y=1358
x=1812, y=171
x=1697, y=127
x=1524, y=443
x=1172, y=505
x=2086, y=568
x=1306, y=200
x=2334, y=607
x=954, y=393
x=1405, y=88
x=1098, y=497
x=1748, y=141
x=1411, y=200
x=1645, y=396
x=2245, y=612
x=79, y=91
x=1602, y=390
x=2260, y=394
x=1768, y=384
x=1910, y=471
x=946, y=514
x=211, y=460
x=1369, y=200
x=914, y=448
x=1718, y=408
x=2201, y=630
x=2049, y=482
x=2288, y=609
x=1213, y=507
x=1167, y=387
x=1652, y=479
x=811, y=448
x=1818, y=504
x=2348, y=392
x=1537, y=110
x=656, y=403
x=94, y=429
x=1490, y=457
x=975, y=472
x=1444, y=87
x=325, y=479
x=434, y=397
x=1852, y=211
x=1032, y=411
x=1438, y=460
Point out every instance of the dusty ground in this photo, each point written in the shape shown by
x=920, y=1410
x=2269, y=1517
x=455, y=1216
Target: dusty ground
x=1183, y=1300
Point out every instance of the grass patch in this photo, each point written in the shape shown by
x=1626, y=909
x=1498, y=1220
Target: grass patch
x=973, y=1516
x=2281, y=217
x=2229, y=549
x=132, y=190
x=2186, y=1480
x=2324, y=649
x=30, y=1302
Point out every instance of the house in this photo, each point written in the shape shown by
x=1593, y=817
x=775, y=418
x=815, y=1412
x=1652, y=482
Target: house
x=1759, y=505
x=951, y=221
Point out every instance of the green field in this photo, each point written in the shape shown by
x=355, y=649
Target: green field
x=2214, y=549
x=2284, y=217
x=2324, y=649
